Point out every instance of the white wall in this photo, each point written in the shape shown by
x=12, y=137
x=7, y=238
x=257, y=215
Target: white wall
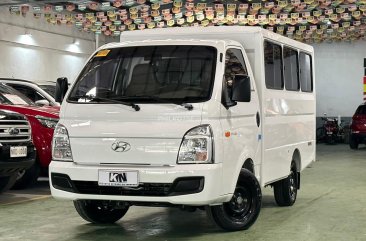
x=339, y=77
x=47, y=54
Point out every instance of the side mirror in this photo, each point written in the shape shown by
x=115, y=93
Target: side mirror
x=241, y=89
x=61, y=89
x=42, y=102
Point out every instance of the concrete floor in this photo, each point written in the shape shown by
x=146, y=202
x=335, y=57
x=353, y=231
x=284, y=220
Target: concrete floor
x=331, y=205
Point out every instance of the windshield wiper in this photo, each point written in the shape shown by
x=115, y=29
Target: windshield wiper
x=98, y=99
x=165, y=101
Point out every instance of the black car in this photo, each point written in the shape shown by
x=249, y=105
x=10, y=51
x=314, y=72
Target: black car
x=17, y=152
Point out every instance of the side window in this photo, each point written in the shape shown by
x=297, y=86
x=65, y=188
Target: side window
x=306, y=72
x=273, y=65
x=291, y=73
x=234, y=64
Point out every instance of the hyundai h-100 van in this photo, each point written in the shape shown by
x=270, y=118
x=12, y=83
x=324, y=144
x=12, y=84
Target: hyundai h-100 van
x=190, y=117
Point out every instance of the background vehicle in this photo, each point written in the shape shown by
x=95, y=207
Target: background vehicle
x=358, y=127
x=42, y=120
x=42, y=93
x=330, y=132
x=17, y=152
x=192, y=122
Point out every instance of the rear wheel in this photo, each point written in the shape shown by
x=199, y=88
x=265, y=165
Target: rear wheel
x=27, y=178
x=243, y=208
x=285, y=190
x=353, y=143
x=100, y=212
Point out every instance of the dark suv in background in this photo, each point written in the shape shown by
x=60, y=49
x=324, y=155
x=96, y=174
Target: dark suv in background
x=358, y=127
x=17, y=152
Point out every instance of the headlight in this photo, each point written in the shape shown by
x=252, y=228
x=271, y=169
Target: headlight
x=61, y=149
x=47, y=122
x=197, y=146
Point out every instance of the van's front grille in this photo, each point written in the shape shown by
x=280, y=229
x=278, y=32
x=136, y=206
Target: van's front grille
x=14, y=131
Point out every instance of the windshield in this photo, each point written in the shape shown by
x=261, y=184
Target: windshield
x=148, y=73
x=11, y=96
x=50, y=89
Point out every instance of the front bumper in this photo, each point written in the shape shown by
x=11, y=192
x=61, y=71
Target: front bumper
x=149, y=177
x=10, y=165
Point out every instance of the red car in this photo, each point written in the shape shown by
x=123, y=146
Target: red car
x=358, y=127
x=43, y=121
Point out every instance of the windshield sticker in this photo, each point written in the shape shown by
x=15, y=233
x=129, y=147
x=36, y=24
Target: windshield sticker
x=103, y=53
x=16, y=100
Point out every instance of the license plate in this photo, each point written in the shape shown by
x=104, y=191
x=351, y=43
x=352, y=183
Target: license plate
x=329, y=133
x=118, y=178
x=18, y=151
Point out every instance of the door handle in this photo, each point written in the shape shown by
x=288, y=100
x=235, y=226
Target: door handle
x=258, y=119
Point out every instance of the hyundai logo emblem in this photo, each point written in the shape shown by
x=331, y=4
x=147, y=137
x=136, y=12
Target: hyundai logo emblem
x=121, y=146
x=13, y=131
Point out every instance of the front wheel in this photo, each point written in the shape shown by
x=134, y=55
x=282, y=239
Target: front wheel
x=243, y=208
x=100, y=212
x=6, y=182
x=27, y=178
x=285, y=190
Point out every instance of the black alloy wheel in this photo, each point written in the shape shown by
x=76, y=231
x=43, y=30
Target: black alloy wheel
x=244, y=207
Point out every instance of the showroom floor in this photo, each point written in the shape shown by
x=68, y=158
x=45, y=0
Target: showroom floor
x=331, y=205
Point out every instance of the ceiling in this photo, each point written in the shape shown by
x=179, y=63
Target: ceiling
x=311, y=21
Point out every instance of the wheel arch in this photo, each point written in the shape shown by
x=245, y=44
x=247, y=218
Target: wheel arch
x=249, y=165
x=296, y=157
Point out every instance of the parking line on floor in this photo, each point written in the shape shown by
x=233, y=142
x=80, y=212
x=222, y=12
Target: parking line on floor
x=26, y=200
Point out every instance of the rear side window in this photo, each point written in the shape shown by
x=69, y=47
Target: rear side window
x=291, y=73
x=273, y=65
x=306, y=79
x=361, y=110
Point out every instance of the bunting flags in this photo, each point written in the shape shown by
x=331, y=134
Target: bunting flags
x=303, y=20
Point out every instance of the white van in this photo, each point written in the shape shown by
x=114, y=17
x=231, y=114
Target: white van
x=189, y=117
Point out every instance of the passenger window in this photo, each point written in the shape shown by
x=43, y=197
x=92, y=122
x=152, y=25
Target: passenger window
x=291, y=74
x=306, y=72
x=273, y=65
x=234, y=64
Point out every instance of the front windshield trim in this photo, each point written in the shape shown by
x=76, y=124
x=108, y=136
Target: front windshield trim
x=136, y=99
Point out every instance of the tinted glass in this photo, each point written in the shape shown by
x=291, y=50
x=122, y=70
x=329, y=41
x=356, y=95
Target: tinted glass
x=147, y=73
x=290, y=61
x=11, y=96
x=50, y=89
x=306, y=79
x=273, y=65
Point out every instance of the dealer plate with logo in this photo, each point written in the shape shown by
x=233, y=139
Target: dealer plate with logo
x=118, y=178
x=18, y=151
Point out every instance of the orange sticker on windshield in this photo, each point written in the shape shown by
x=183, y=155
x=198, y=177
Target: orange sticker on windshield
x=103, y=53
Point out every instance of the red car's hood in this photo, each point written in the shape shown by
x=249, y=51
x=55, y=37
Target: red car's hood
x=28, y=110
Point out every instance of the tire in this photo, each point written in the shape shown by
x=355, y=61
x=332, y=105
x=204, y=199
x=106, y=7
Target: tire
x=285, y=190
x=27, y=178
x=353, y=143
x=6, y=182
x=100, y=212
x=244, y=207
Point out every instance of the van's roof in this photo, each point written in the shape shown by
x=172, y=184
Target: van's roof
x=197, y=32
